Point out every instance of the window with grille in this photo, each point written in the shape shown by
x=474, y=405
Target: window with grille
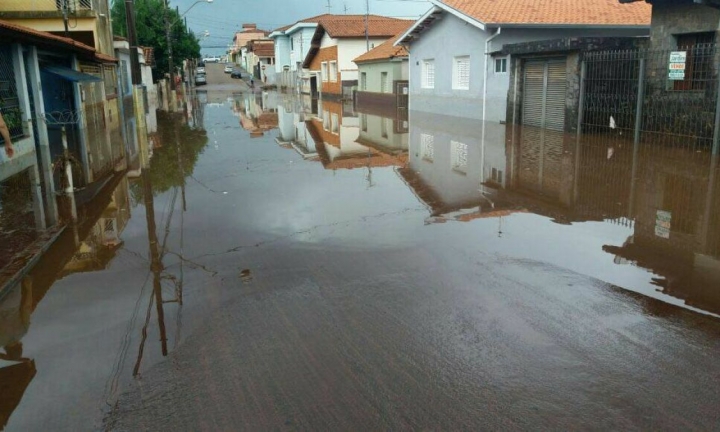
x=334, y=123
x=459, y=155
x=698, y=64
x=9, y=101
x=427, y=146
x=428, y=74
x=501, y=65
x=363, y=81
x=110, y=78
x=333, y=71
x=384, y=88
x=461, y=73
x=324, y=71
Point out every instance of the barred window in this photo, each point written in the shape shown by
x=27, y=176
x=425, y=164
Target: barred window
x=428, y=74
x=459, y=155
x=110, y=78
x=9, y=101
x=461, y=73
x=698, y=63
x=427, y=146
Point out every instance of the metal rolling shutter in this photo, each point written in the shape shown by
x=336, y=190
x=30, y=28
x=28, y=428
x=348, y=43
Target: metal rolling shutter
x=555, y=96
x=533, y=94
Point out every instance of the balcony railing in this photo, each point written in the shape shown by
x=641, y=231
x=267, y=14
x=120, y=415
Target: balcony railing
x=44, y=5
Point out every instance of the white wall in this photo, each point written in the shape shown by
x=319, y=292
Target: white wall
x=349, y=50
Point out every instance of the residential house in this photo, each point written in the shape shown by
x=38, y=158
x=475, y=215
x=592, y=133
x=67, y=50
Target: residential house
x=261, y=59
x=455, y=65
x=338, y=40
x=384, y=74
x=240, y=40
x=89, y=24
x=40, y=98
x=292, y=44
x=336, y=136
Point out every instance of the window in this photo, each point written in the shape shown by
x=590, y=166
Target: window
x=384, y=82
x=497, y=176
x=698, y=61
x=110, y=78
x=292, y=44
x=428, y=74
x=461, y=73
x=458, y=155
x=501, y=65
x=334, y=124
x=427, y=147
x=384, y=127
x=363, y=121
x=324, y=71
x=9, y=99
x=326, y=120
x=333, y=71
x=363, y=81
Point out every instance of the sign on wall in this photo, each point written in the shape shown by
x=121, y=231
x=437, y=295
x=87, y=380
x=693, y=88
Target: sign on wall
x=663, y=223
x=676, y=66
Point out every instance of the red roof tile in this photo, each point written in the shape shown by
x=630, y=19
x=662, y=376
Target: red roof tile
x=385, y=51
x=352, y=26
x=563, y=12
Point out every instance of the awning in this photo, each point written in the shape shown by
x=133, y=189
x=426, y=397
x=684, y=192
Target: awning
x=71, y=75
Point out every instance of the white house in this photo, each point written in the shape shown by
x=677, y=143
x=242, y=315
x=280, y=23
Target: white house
x=452, y=67
x=292, y=44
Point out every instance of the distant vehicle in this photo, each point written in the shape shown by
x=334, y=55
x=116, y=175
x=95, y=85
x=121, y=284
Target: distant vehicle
x=228, y=69
x=211, y=59
x=236, y=73
x=200, y=79
x=200, y=70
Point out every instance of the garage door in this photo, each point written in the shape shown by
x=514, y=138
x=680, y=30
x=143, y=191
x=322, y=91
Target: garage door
x=543, y=123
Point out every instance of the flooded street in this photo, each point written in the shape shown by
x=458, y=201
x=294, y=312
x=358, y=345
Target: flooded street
x=289, y=263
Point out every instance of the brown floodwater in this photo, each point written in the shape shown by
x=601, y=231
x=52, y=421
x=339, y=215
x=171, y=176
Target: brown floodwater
x=289, y=264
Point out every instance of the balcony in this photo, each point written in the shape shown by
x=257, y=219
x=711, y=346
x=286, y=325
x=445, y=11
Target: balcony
x=20, y=9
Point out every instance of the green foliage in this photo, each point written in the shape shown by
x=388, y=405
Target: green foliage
x=175, y=159
x=150, y=28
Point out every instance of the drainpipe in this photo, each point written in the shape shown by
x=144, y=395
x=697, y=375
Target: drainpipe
x=484, y=107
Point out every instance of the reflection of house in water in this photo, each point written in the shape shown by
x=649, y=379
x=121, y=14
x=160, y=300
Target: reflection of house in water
x=292, y=114
x=103, y=241
x=257, y=112
x=450, y=170
x=344, y=141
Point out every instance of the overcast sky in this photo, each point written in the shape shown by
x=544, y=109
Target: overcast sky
x=223, y=17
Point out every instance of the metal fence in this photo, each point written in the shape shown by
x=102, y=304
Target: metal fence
x=643, y=96
x=44, y=5
x=9, y=102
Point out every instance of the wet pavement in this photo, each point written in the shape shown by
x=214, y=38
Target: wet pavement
x=289, y=264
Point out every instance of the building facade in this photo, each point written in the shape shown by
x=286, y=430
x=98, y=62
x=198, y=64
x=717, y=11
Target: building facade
x=384, y=74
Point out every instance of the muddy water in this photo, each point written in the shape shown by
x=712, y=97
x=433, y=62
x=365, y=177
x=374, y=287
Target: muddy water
x=293, y=264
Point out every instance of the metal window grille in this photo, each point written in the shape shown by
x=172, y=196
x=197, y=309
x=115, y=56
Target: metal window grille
x=9, y=101
x=428, y=74
x=427, y=145
x=461, y=73
x=459, y=155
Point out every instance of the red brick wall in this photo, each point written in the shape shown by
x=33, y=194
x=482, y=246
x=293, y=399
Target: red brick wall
x=327, y=55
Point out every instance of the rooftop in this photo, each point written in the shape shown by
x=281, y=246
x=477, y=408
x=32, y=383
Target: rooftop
x=353, y=26
x=385, y=51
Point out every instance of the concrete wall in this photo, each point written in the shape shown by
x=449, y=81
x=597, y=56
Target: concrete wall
x=451, y=37
x=670, y=20
x=282, y=52
x=349, y=50
x=394, y=69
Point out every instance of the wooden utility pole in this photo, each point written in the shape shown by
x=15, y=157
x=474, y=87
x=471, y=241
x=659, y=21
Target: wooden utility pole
x=132, y=38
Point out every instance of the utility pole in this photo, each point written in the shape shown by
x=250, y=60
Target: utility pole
x=132, y=37
x=346, y=8
x=65, y=13
x=168, y=38
x=367, y=24
x=329, y=6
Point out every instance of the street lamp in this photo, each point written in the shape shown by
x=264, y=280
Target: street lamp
x=168, y=25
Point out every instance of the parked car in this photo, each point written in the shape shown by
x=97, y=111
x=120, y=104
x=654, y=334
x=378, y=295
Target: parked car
x=211, y=59
x=228, y=69
x=200, y=70
x=236, y=73
x=200, y=79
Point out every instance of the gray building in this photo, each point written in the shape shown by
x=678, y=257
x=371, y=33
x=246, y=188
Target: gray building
x=457, y=69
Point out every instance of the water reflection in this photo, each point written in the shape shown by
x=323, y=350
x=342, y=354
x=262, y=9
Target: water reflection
x=95, y=243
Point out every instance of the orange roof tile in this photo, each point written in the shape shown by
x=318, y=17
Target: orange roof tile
x=385, y=51
x=562, y=12
x=313, y=19
x=351, y=26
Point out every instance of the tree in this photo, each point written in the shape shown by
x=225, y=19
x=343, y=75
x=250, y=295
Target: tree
x=150, y=26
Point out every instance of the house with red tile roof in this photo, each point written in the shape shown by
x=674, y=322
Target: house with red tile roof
x=338, y=40
x=384, y=74
x=292, y=43
x=455, y=63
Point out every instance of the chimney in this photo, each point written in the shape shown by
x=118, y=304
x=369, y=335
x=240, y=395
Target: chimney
x=249, y=26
